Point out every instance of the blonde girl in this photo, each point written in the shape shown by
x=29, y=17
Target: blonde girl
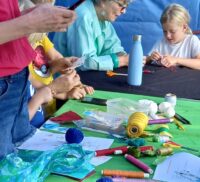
x=178, y=46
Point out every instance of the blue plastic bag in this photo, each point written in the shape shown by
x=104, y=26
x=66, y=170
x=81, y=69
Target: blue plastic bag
x=35, y=166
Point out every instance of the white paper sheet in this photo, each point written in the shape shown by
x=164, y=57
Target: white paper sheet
x=43, y=140
x=180, y=167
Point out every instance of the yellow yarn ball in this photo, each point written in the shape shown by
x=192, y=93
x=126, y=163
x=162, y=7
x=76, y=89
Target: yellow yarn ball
x=137, y=123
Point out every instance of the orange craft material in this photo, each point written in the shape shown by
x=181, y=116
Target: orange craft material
x=121, y=173
x=111, y=73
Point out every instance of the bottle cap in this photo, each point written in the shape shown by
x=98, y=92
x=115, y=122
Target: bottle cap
x=171, y=98
x=137, y=37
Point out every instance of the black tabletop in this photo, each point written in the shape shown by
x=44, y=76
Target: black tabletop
x=182, y=81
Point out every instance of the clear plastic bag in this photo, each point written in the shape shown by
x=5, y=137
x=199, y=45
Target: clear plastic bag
x=123, y=107
x=104, y=118
x=102, y=122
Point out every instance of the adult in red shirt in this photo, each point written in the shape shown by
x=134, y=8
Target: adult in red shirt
x=15, y=55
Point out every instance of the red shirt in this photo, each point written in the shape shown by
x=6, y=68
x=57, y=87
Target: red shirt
x=14, y=55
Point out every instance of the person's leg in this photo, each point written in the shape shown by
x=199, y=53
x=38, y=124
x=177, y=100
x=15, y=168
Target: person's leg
x=13, y=127
x=22, y=129
x=6, y=119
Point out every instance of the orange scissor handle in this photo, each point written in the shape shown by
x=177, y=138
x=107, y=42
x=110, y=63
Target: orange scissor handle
x=110, y=73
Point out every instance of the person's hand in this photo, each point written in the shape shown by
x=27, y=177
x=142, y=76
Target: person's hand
x=88, y=89
x=123, y=60
x=65, y=82
x=80, y=92
x=168, y=61
x=49, y=18
x=76, y=93
x=62, y=65
x=71, y=61
x=45, y=94
x=156, y=56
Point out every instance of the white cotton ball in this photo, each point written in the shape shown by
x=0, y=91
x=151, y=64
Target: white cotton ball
x=153, y=109
x=163, y=106
x=148, y=105
x=169, y=112
x=143, y=102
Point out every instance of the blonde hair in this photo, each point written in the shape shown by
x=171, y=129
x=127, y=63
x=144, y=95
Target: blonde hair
x=35, y=37
x=177, y=13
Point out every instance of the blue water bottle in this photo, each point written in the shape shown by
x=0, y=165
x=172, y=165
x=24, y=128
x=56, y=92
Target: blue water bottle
x=135, y=62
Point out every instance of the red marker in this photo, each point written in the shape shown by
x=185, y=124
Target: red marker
x=148, y=71
x=110, y=151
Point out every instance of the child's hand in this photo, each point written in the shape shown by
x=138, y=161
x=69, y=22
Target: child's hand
x=76, y=93
x=65, y=82
x=44, y=94
x=168, y=61
x=88, y=89
x=80, y=92
x=156, y=56
x=62, y=65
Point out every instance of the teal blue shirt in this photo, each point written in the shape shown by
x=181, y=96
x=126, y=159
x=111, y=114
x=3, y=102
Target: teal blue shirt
x=97, y=40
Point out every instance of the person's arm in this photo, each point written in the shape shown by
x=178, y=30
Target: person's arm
x=112, y=45
x=154, y=56
x=43, y=18
x=192, y=61
x=36, y=84
x=62, y=84
x=80, y=40
x=14, y=29
x=53, y=54
x=42, y=96
x=77, y=92
x=169, y=61
x=58, y=63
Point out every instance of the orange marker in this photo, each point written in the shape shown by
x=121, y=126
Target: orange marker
x=111, y=73
x=121, y=173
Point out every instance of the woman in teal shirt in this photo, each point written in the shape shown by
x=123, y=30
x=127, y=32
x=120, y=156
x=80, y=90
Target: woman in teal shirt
x=92, y=35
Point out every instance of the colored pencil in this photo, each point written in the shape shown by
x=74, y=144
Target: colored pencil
x=159, y=121
x=123, y=173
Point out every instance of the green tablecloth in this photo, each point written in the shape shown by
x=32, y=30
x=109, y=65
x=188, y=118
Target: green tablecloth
x=190, y=109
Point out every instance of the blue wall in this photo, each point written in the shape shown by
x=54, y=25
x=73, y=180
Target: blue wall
x=142, y=17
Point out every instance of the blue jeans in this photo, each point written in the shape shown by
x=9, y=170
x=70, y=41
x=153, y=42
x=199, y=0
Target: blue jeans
x=14, y=118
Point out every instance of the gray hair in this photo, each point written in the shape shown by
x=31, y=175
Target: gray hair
x=97, y=2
